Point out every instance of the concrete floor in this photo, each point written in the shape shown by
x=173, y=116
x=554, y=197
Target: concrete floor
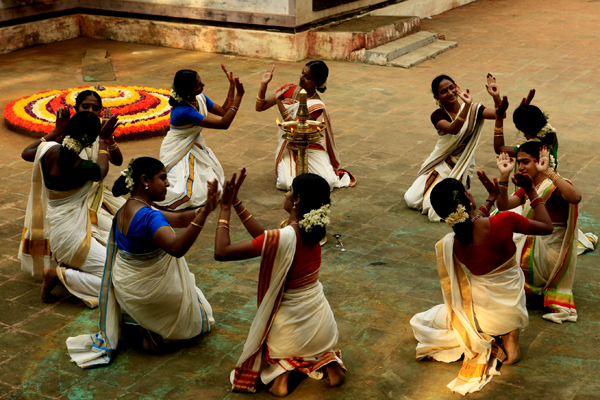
x=381, y=120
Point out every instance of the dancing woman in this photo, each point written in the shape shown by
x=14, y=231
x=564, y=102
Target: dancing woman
x=146, y=280
x=488, y=306
x=323, y=157
x=60, y=223
x=294, y=327
x=548, y=262
x=459, y=129
x=190, y=163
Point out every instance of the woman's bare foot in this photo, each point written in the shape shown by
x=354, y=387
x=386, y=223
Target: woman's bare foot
x=280, y=385
x=50, y=282
x=335, y=374
x=510, y=344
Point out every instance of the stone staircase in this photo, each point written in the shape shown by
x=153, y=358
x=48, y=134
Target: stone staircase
x=380, y=40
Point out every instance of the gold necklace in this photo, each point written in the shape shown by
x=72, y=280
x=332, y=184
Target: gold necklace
x=140, y=200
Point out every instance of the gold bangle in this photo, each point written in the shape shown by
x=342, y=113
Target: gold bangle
x=499, y=135
x=238, y=203
x=503, y=186
x=103, y=152
x=458, y=117
x=112, y=147
x=223, y=226
x=42, y=140
x=249, y=216
x=196, y=225
x=197, y=211
x=224, y=221
x=233, y=108
x=230, y=99
x=241, y=212
x=498, y=129
x=259, y=99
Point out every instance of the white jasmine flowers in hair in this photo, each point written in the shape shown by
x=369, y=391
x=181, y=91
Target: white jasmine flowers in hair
x=552, y=162
x=318, y=216
x=127, y=173
x=545, y=130
x=437, y=102
x=174, y=95
x=324, y=84
x=72, y=144
x=460, y=215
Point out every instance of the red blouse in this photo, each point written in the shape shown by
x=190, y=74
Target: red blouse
x=307, y=261
x=290, y=92
x=497, y=249
x=557, y=206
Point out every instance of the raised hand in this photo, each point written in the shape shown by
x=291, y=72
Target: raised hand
x=238, y=184
x=492, y=86
x=63, y=116
x=527, y=100
x=505, y=163
x=523, y=180
x=212, y=196
x=106, y=115
x=543, y=164
x=108, y=127
x=229, y=76
x=268, y=75
x=491, y=186
x=239, y=87
x=464, y=96
x=501, y=110
x=279, y=94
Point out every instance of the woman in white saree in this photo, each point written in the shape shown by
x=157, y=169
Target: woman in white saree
x=323, y=157
x=487, y=307
x=146, y=280
x=63, y=220
x=294, y=327
x=189, y=161
x=459, y=129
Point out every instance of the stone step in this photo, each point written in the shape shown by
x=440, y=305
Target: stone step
x=382, y=54
x=423, y=54
x=339, y=41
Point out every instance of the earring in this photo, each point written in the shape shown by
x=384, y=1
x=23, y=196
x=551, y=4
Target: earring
x=146, y=187
x=295, y=206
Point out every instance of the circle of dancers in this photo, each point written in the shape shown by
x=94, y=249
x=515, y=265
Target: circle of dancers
x=123, y=256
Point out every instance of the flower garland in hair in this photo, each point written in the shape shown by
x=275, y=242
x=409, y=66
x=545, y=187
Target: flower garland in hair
x=552, y=162
x=437, y=102
x=72, y=144
x=324, y=84
x=318, y=216
x=174, y=95
x=547, y=128
x=457, y=217
x=128, y=173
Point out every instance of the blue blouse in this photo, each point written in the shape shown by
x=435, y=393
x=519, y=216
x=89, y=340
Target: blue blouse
x=184, y=114
x=139, y=238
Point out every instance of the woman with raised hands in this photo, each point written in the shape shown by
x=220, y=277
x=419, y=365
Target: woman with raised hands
x=146, y=280
x=459, y=130
x=61, y=219
x=190, y=163
x=323, y=157
x=485, y=308
x=294, y=327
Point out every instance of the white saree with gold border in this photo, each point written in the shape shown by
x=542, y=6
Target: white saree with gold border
x=475, y=309
x=190, y=165
x=453, y=157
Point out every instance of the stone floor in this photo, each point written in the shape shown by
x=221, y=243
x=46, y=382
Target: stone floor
x=381, y=120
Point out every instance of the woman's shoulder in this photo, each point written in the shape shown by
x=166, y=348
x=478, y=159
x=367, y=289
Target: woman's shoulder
x=439, y=115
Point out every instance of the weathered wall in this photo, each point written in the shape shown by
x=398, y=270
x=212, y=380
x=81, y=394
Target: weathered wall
x=51, y=30
x=259, y=6
x=421, y=8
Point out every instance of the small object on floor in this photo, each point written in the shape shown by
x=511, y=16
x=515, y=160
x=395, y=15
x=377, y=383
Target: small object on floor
x=97, y=66
x=339, y=244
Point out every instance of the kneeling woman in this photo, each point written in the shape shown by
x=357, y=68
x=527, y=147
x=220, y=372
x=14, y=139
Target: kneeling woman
x=146, y=280
x=294, y=327
x=491, y=302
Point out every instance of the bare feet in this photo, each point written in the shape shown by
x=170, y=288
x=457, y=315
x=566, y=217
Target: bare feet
x=50, y=282
x=335, y=374
x=280, y=385
x=510, y=344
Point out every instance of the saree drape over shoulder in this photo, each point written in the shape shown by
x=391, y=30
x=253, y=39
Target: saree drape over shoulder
x=323, y=157
x=190, y=165
x=549, y=262
x=294, y=327
x=154, y=290
x=475, y=309
x=453, y=157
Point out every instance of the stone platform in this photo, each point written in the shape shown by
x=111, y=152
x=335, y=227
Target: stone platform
x=381, y=121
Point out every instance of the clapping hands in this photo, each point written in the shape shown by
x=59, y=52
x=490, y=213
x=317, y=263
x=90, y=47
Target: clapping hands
x=232, y=188
x=505, y=163
x=464, y=96
x=491, y=186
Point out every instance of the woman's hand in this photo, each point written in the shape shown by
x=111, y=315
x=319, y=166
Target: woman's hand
x=543, y=164
x=523, y=180
x=268, y=75
x=231, y=189
x=505, y=163
x=279, y=94
x=238, y=184
x=491, y=186
x=229, y=76
x=212, y=197
x=501, y=110
x=108, y=127
x=106, y=115
x=239, y=87
x=464, y=96
x=527, y=100
x=492, y=86
x=63, y=116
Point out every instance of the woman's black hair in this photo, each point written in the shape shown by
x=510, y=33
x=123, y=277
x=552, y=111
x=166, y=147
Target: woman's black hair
x=319, y=72
x=184, y=83
x=445, y=197
x=84, y=127
x=532, y=148
x=313, y=192
x=435, y=84
x=86, y=93
x=530, y=120
x=141, y=166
